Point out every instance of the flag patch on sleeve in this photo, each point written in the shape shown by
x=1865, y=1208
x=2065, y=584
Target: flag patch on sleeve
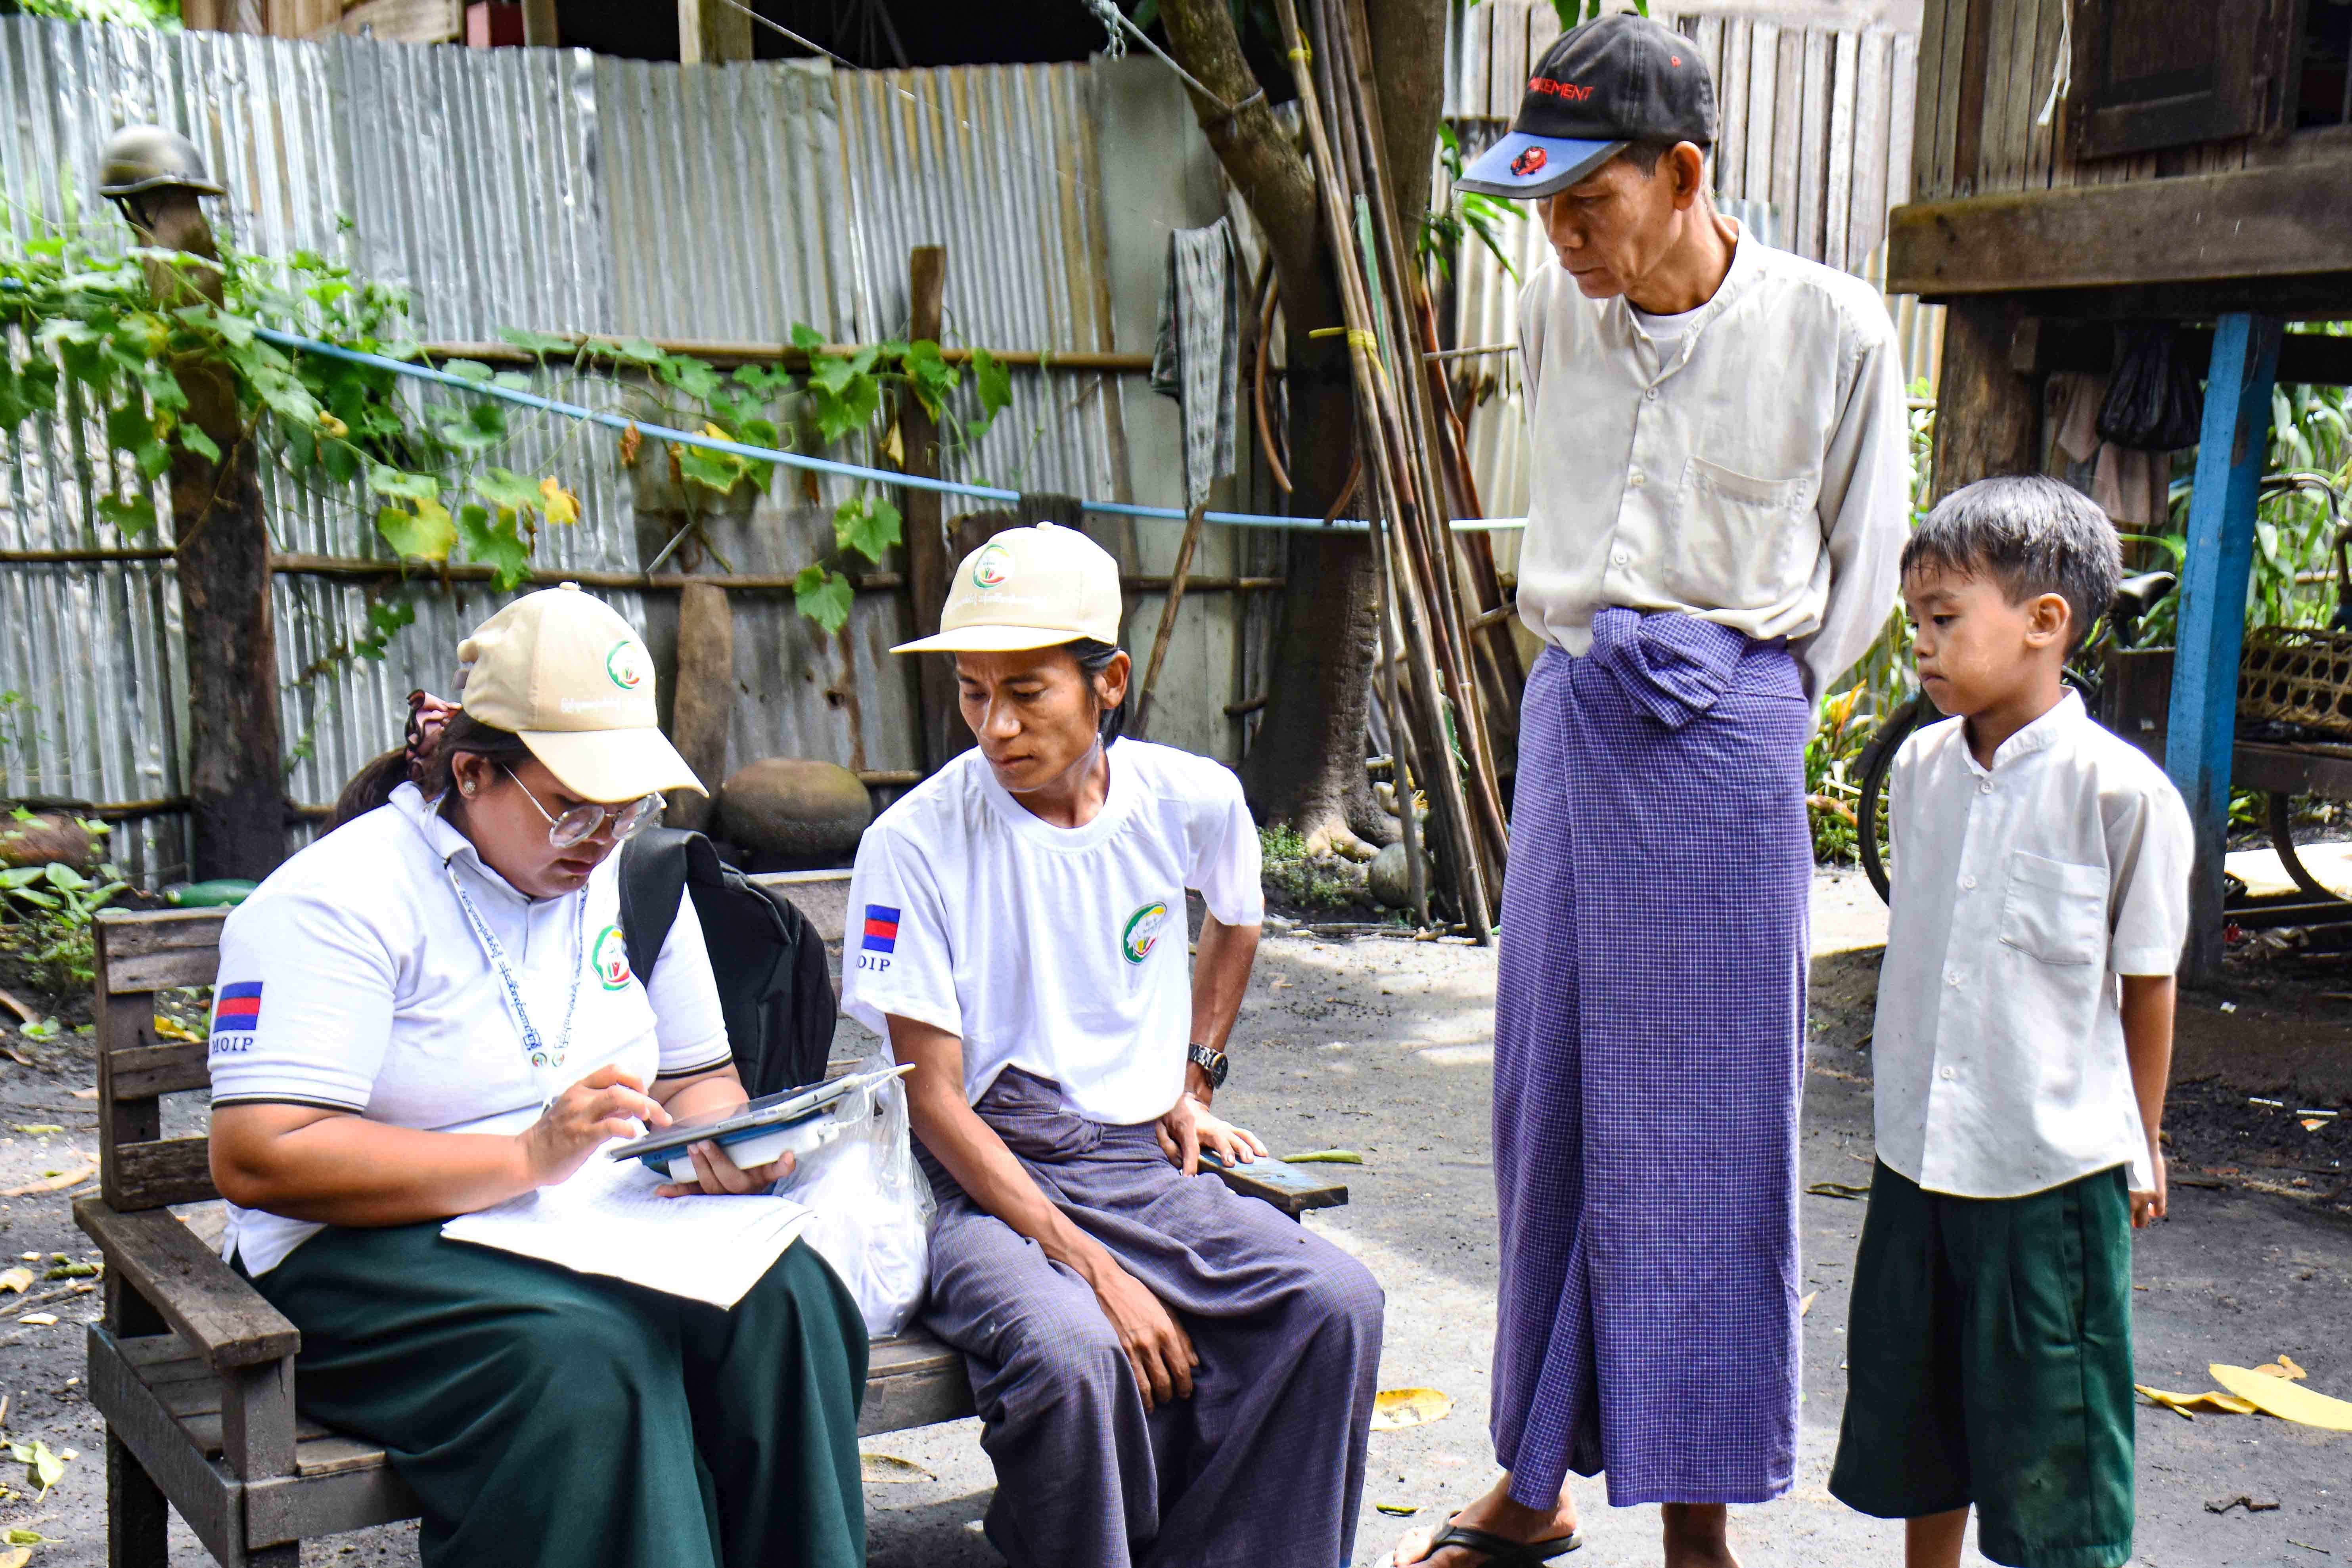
x=236, y=1014
x=881, y=928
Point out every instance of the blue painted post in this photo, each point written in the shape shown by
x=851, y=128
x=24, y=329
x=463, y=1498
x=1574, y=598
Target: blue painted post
x=2230, y=453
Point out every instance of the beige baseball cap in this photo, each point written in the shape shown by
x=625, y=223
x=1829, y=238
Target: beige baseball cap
x=1027, y=587
x=561, y=669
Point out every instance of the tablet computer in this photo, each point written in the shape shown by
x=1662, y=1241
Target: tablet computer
x=765, y=1114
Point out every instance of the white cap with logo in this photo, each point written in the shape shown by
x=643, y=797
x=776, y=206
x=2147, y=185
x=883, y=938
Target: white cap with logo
x=561, y=669
x=1028, y=587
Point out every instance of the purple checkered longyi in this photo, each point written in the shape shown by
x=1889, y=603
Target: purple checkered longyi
x=1649, y=1054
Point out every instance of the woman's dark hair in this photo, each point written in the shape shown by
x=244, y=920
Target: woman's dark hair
x=500, y=748
x=1093, y=658
x=370, y=787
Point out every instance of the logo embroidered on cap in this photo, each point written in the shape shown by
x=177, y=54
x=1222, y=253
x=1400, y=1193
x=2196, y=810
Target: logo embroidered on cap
x=1567, y=90
x=623, y=664
x=881, y=928
x=1529, y=162
x=1142, y=932
x=612, y=959
x=994, y=567
x=236, y=1015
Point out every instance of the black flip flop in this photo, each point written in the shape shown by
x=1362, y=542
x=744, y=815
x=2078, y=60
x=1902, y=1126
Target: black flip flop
x=1501, y=1551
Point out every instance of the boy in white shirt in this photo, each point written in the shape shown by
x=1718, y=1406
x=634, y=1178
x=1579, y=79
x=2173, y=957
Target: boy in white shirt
x=2023, y=1040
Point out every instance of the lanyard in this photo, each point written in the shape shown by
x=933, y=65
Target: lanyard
x=541, y=1057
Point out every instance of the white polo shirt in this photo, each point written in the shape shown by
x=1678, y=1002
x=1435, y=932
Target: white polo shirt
x=1058, y=950
x=351, y=979
x=1747, y=462
x=2020, y=892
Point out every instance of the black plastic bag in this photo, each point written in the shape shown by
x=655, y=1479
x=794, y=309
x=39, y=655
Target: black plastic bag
x=2155, y=403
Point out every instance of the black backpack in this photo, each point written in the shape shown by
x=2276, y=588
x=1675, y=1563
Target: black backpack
x=773, y=984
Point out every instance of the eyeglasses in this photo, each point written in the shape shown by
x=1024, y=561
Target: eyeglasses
x=585, y=821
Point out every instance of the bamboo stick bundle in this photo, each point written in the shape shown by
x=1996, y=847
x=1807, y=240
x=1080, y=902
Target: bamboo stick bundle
x=1417, y=578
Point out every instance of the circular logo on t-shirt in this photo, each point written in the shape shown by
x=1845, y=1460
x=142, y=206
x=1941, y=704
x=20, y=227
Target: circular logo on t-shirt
x=611, y=957
x=994, y=565
x=626, y=665
x=1142, y=932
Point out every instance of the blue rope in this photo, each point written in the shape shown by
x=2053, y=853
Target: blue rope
x=796, y=459
x=818, y=465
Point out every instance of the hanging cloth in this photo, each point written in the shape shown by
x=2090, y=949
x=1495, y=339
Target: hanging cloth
x=1197, y=357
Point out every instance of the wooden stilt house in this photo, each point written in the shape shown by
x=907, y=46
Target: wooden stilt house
x=2083, y=163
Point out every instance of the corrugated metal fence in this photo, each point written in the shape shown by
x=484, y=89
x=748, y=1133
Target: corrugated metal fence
x=553, y=190
x=1812, y=149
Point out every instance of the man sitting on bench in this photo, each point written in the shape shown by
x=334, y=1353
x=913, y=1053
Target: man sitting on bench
x=1167, y=1372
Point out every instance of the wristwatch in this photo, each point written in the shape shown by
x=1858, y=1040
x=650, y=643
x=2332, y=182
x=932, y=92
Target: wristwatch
x=1210, y=1060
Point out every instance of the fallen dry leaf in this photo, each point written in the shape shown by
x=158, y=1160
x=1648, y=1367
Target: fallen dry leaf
x=56, y=1183
x=1838, y=1190
x=40, y=1319
x=18, y=1558
x=1393, y=1509
x=1806, y=1304
x=2281, y=1398
x=2284, y=1367
x=172, y=1029
x=85, y=1094
x=888, y=1469
x=17, y=1280
x=1395, y=1408
x=2185, y=1406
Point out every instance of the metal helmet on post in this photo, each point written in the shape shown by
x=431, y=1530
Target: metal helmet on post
x=141, y=158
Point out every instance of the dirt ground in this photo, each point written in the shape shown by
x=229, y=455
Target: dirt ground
x=1383, y=1045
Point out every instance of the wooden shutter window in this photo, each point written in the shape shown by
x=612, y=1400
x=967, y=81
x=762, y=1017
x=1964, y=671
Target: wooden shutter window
x=2151, y=74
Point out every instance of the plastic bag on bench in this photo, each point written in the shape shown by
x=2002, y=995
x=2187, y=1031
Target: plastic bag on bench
x=872, y=1207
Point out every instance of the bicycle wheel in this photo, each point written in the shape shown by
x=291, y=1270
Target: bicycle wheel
x=2282, y=826
x=1870, y=824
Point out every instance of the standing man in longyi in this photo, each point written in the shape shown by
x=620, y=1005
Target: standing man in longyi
x=1720, y=498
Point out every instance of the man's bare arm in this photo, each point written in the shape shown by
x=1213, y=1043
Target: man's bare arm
x=1156, y=1344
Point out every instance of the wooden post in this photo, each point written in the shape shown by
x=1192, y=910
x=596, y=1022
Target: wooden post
x=539, y=28
x=1168, y=608
x=237, y=791
x=1987, y=416
x=927, y=549
x=710, y=32
x=704, y=697
x=2230, y=452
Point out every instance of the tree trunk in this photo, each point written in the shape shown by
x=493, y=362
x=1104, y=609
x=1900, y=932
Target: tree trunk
x=236, y=790
x=1308, y=766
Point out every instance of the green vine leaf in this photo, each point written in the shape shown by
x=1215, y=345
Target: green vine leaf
x=469, y=370
x=495, y=543
x=201, y=444
x=135, y=517
x=992, y=379
x=423, y=531
x=539, y=343
x=806, y=337
x=824, y=598
x=507, y=490
x=390, y=481
x=868, y=524
x=712, y=470
x=691, y=376
x=930, y=375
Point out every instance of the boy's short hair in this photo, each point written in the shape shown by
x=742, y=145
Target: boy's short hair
x=2030, y=533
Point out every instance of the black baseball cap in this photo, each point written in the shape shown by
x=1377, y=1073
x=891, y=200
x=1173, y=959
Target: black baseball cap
x=1615, y=80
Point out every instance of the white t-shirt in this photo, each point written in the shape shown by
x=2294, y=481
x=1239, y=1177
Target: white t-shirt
x=1057, y=950
x=351, y=979
x=2022, y=891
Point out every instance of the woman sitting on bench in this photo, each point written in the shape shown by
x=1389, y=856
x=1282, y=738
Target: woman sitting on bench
x=431, y=1011
x=1166, y=1373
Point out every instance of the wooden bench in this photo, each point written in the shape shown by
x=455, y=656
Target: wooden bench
x=194, y=1370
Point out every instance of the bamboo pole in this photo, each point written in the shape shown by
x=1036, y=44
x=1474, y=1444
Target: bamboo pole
x=1168, y=608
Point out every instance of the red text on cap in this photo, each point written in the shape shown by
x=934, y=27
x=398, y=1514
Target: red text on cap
x=1567, y=90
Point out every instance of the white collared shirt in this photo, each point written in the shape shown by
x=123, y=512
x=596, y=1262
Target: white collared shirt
x=1753, y=467
x=351, y=980
x=2022, y=891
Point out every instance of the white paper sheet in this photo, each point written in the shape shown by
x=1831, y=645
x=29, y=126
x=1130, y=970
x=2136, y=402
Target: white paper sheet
x=607, y=1220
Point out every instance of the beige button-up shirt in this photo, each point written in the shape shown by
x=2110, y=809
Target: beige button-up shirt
x=2022, y=891
x=1754, y=470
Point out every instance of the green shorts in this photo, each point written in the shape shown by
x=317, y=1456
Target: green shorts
x=1990, y=1364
